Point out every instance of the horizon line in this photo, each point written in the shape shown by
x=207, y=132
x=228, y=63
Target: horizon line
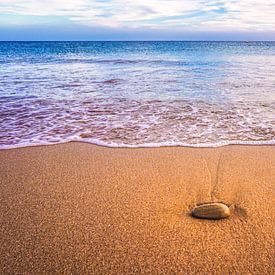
x=172, y=40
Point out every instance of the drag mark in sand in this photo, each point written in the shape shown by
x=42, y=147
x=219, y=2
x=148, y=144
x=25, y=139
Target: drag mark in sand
x=209, y=176
x=214, y=184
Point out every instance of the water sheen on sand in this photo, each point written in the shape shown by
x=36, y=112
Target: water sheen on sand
x=133, y=94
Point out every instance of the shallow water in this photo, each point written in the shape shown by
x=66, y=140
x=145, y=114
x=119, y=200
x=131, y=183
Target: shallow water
x=134, y=94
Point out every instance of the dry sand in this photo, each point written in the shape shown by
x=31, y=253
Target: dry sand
x=79, y=208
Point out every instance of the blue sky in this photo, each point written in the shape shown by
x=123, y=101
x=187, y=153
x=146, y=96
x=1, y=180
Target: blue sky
x=137, y=20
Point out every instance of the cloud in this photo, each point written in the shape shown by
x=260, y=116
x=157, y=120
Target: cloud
x=200, y=15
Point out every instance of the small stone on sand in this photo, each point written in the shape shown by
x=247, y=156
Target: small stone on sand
x=213, y=210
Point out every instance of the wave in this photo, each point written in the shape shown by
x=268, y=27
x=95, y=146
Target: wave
x=137, y=95
x=142, y=145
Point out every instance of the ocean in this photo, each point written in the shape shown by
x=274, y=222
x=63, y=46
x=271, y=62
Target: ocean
x=137, y=94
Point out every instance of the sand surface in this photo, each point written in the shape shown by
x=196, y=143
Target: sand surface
x=78, y=208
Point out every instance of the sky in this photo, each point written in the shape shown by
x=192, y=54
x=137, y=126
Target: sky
x=137, y=20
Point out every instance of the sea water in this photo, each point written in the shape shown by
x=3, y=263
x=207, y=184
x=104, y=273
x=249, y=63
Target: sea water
x=137, y=94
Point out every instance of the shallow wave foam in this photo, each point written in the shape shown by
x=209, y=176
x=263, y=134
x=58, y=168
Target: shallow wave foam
x=145, y=145
x=120, y=122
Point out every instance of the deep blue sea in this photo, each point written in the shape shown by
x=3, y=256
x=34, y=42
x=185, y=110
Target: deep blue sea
x=135, y=94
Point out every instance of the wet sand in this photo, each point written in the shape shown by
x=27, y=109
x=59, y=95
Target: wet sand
x=79, y=208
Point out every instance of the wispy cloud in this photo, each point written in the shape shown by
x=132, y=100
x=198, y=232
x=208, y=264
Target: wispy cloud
x=198, y=15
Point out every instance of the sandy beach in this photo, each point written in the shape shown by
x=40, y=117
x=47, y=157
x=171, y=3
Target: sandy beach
x=78, y=208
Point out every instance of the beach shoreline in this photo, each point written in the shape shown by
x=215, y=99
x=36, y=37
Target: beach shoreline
x=78, y=207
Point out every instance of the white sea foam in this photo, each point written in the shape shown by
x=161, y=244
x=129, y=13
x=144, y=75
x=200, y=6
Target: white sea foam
x=132, y=123
x=145, y=145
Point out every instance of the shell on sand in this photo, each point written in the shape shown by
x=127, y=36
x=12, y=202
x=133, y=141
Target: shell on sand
x=214, y=210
